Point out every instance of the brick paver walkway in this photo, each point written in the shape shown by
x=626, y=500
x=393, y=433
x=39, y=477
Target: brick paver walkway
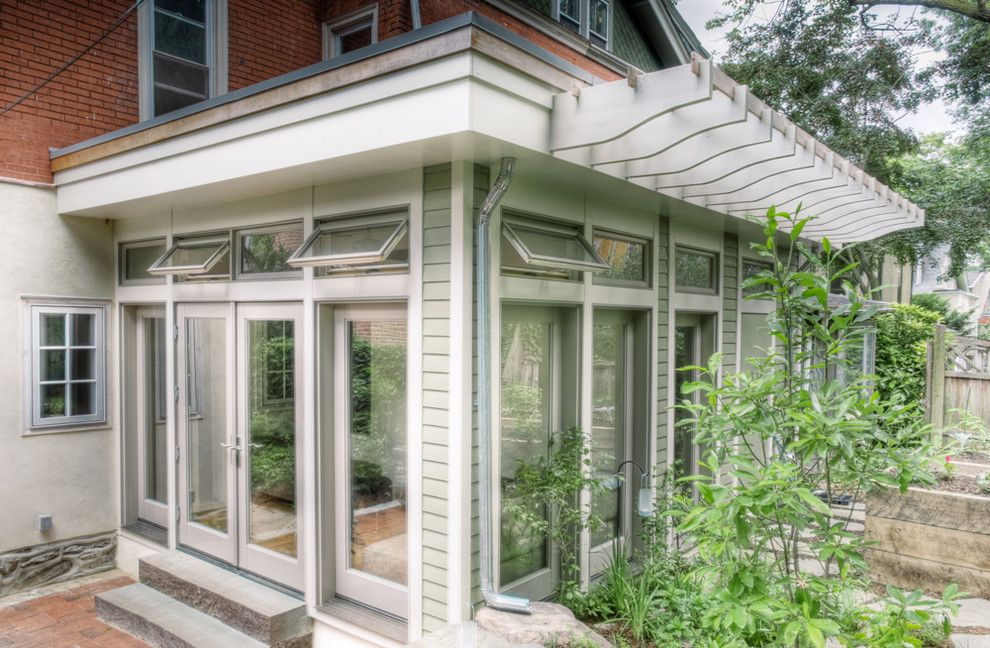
x=63, y=620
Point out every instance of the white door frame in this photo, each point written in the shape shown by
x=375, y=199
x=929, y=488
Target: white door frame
x=265, y=562
x=149, y=509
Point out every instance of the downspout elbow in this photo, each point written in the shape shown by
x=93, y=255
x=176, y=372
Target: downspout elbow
x=493, y=598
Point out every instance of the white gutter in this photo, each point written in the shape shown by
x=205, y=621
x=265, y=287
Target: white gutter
x=493, y=598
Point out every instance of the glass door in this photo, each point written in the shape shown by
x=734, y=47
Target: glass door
x=208, y=441
x=370, y=413
x=152, y=410
x=269, y=480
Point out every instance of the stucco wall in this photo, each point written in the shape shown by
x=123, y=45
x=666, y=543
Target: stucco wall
x=69, y=475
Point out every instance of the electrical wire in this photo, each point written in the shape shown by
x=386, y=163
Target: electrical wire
x=65, y=66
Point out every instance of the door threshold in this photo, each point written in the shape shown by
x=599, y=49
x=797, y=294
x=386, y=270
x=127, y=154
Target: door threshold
x=148, y=531
x=261, y=580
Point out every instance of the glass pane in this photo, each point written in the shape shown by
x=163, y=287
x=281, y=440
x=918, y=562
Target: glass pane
x=684, y=355
x=82, y=329
x=569, y=8
x=53, y=365
x=365, y=241
x=548, y=246
x=599, y=18
x=626, y=259
x=189, y=77
x=377, y=440
x=607, y=438
x=191, y=9
x=272, y=436
x=195, y=258
x=354, y=40
x=526, y=429
x=751, y=269
x=168, y=100
x=52, y=400
x=270, y=252
x=138, y=259
x=53, y=329
x=155, y=458
x=83, y=362
x=83, y=398
x=695, y=270
x=206, y=397
x=181, y=38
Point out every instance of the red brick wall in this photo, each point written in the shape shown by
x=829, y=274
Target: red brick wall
x=96, y=95
x=269, y=38
x=99, y=92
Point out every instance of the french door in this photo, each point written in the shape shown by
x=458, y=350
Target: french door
x=370, y=413
x=238, y=418
x=151, y=408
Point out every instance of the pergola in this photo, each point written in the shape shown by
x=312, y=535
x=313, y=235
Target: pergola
x=692, y=133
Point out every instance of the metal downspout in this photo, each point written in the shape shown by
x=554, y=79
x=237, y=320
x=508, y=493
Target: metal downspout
x=492, y=598
x=417, y=19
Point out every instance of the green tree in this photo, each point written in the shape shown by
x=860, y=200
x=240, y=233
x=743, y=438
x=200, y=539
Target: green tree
x=958, y=321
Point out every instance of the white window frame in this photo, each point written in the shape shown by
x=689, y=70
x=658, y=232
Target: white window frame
x=513, y=227
x=123, y=248
x=584, y=20
x=32, y=345
x=357, y=261
x=238, y=252
x=216, y=54
x=199, y=270
x=354, y=21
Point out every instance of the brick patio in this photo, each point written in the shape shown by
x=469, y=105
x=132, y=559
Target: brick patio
x=65, y=619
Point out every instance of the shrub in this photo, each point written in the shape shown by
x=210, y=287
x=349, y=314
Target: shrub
x=958, y=321
x=902, y=337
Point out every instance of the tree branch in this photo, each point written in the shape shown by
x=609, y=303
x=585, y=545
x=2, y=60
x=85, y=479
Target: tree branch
x=975, y=9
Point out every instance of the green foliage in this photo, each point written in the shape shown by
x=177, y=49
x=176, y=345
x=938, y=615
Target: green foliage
x=958, y=321
x=902, y=337
x=555, y=481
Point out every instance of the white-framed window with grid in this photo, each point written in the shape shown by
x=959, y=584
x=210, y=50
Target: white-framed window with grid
x=67, y=377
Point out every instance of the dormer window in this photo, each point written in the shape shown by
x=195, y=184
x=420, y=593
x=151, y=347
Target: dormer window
x=588, y=18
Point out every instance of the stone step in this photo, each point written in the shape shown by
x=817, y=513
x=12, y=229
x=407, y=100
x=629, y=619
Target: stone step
x=163, y=622
x=260, y=612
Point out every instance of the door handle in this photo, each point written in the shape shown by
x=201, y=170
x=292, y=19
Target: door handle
x=229, y=446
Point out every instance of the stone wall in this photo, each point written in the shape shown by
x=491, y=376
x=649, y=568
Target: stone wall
x=44, y=564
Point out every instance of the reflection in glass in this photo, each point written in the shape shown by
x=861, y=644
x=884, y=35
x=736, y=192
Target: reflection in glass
x=695, y=270
x=607, y=438
x=684, y=356
x=269, y=252
x=526, y=427
x=377, y=442
x=155, y=458
x=138, y=258
x=626, y=258
x=206, y=423
x=272, y=521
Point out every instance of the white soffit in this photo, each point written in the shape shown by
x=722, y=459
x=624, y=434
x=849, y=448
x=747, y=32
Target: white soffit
x=692, y=133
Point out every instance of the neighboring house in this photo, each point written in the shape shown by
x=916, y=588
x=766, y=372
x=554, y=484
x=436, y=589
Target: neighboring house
x=968, y=293
x=240, y=279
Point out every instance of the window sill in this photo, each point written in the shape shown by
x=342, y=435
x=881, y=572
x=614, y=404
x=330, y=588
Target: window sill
x=347, y=615
x=64, y=429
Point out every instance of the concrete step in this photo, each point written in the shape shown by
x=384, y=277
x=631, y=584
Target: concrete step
x=163, y=622
x=260, y=612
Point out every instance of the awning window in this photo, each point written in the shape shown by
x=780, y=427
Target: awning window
x=369, y=241
x=548, y=246
x=192, y=257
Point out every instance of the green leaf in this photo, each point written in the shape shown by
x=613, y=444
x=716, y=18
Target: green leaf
x=816, y=504
x=816, y=637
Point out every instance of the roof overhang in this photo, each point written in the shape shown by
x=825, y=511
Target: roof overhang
x=692, y=133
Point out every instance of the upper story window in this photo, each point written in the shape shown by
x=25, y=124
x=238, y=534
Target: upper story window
x=589, y=18
x=695, y=271
x=351, y=32
x=180, y=54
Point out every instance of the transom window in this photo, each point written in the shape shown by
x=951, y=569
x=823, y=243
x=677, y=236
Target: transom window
x=547, y=249
x=136, y=258
x=181, y=60
x=357, y=244
x=266, y=251
x=195, y=258
x=751, y=268
x=67, y=365
x=627, y=259
x=351, y=32
x=589, y=18
x=695, y=270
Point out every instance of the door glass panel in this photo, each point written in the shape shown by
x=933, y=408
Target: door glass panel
x=684, y=355
x=607, y=437
x=526, y=428
x=272, y=435
x=377, y=447
x=206, y=421
x=155, y=466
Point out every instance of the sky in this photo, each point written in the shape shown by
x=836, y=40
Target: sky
x=929, y=118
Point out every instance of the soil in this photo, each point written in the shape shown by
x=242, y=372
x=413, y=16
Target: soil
x=966, y=485
x=972, y=457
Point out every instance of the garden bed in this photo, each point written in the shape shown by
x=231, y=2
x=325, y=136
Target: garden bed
x=928, y=539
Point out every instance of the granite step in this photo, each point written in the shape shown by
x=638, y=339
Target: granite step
x=163, y=622
x=262, y=613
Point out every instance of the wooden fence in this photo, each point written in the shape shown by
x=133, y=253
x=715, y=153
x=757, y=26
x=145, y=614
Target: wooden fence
x=958, y=379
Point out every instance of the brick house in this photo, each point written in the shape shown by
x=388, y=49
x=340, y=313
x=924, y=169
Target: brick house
x=248, y=239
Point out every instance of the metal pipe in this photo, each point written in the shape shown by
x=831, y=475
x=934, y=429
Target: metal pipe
x=416, y=17
x=492, y=598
